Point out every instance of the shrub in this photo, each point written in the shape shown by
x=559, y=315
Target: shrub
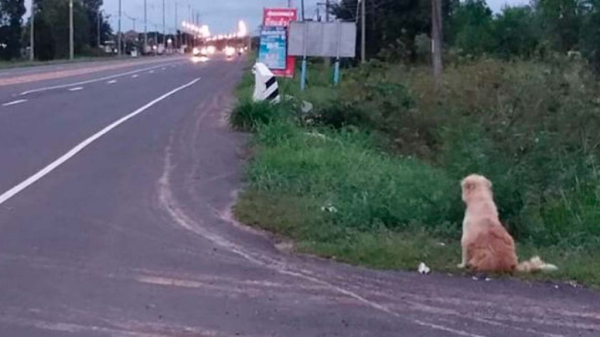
x=248, y=115
x=530, y=128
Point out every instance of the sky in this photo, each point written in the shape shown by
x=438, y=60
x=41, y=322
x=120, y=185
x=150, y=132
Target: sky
x=222, y=16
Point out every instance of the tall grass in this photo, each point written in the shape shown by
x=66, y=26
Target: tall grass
x=371, y=174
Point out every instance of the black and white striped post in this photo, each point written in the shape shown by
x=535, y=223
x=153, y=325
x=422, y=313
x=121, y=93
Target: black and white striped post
x=266, y=87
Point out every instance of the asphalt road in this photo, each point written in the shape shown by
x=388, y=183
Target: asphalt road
x=115, y=190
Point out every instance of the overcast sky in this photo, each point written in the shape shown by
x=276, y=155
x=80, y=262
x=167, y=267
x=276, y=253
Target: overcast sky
x=221, y=15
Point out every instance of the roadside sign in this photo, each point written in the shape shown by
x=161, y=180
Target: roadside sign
x=272, y=52
x=322, y=39
x=279, y=17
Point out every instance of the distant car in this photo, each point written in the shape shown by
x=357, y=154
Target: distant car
x=229, y=52
x=199, y=52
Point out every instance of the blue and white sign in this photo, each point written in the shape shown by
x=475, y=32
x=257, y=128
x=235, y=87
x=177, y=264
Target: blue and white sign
x=273, y=47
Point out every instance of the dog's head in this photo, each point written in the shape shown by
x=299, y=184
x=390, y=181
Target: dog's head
x=475, y=183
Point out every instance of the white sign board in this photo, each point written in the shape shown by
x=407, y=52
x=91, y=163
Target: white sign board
x=322, y=39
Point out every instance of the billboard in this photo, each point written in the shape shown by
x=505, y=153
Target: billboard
x=272, y=51
x=322, y=39
x=278, y=17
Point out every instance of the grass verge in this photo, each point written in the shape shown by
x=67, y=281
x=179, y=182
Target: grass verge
x=26, y=64
x=338, y=192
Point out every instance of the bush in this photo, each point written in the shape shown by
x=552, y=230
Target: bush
x=530, y=127
x=248, y=115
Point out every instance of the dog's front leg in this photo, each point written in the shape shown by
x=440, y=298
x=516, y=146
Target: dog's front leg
x=463, y=263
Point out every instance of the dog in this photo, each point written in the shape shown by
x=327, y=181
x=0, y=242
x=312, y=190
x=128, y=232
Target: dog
x=486, y=244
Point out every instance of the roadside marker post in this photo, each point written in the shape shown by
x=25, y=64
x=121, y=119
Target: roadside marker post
x=266, y=87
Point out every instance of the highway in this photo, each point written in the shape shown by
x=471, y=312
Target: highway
x=116, y=183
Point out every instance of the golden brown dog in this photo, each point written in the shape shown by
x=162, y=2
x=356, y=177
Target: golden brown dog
x=486, y=245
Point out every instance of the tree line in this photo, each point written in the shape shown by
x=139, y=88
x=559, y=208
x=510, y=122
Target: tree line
x=399, y=29
x=51, y=28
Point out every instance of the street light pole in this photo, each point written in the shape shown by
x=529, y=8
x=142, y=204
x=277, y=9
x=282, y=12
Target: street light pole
x=176, y=29
x=98, y=26
x=119, y=32
x=31, y=33
x=145, y=26
x=71, y=47
x=164, y=27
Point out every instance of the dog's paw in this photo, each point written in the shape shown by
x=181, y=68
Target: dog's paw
x=461, y=266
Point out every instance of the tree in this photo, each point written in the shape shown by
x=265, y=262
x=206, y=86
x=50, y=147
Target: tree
x=94, y=14
x=391, y=24
x=516, y=32
x=590, y=33
x=472, y=28
x=52, y=32
x=561, y=21
x=11, y=19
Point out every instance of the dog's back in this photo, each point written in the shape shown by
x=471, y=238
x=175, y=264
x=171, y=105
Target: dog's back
x=493, y=249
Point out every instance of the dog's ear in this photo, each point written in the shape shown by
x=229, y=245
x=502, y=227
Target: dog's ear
x=468, y=185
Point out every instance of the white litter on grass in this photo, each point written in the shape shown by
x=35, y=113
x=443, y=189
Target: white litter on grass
x=306, y=107
x=423, y=269
x=329, y=208
x=316, y=134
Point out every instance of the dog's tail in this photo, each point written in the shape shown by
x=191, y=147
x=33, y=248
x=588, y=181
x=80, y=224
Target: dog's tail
x=535, y=264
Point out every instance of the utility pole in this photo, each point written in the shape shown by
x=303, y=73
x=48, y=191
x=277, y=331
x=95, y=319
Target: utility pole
x=98, y=22
x=289, y=3
x=302, y=4
x=164, y=27
x=71, y=47
x=119, y=32
x=31, y=33
x=145, y=26
x=190, y=41
x=176, y=29
x=363, y=30
x=436, y=39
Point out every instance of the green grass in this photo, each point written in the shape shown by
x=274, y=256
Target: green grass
x=370, y=176
x=27, y=63
x=339, y=197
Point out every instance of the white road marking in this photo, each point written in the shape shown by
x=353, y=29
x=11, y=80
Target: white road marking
x=151, y=71
x=19, y=101
x=134, y=76
x=163, y=68
x=81, y=146
x=76, y=89
x=89, y=81
x=111, y=82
